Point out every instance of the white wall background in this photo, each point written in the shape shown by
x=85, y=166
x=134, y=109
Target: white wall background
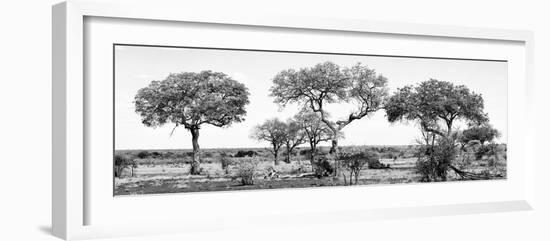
x=25, y=119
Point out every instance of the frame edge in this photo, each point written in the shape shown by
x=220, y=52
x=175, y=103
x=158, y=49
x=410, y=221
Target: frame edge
x=59, y=116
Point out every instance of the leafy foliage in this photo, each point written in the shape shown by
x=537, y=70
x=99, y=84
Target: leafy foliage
x=246, y=170
x=354, y=163
x=190, y=100
x=323, y=168
x=482, y=133
x=242, y=153
x=143, y=154
x=294, y=136
x=273, y=131
x=225, y=162
x=433, y=101
x=327, y=83
x=123, y=162
x=436, y=161
x=436, y=105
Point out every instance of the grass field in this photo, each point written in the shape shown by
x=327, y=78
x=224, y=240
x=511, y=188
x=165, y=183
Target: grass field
x=167, y=171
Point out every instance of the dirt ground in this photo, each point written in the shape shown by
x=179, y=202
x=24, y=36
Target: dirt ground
x=162, y=175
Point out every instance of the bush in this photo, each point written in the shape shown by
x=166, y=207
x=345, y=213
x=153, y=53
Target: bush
x=354, y=163
x=207, y=154
x=389, y=155
x=156, y=154
x=246, y=170
x=169, y=154
x=225, y=161
x=246, y=153
x=143, y=154
x=426, y=169
x=435, y=162
x=304, y=152
x=323, y=168
x=122, y=162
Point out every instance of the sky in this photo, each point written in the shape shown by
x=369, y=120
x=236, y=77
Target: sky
x=137, y=66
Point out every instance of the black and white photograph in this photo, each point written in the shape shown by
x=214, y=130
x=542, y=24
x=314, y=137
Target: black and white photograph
x=192, y=119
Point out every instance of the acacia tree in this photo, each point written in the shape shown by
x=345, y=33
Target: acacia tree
x=328, y=83
x=316, y=131
x=481, y=133
x=294, y=136
x=434, y=102
x=478, y=136
x=436, y=105
x=190, y=100
x=273, y=131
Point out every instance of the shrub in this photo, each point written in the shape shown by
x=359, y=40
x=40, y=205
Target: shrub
x=225, y=161
x=323, y=168
x=246, y=170
x=304, y=152
x=389, y=155
x=207, y=154
x=435, y=162
x=354, y=163
x=122, y=162
x=143, y=154
x=249, y=153
x=492, y=161
x=426, y=169
x=156, y=154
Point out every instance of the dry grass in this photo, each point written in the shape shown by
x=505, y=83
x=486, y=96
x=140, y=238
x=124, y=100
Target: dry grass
x=169, y=175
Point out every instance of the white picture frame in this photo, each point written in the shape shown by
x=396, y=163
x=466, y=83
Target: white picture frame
x=71, y=191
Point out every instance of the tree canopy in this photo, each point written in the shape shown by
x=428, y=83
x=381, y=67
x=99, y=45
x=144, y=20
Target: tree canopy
x=327, y=83
x=192, y=99
x=436, y=105
x=434, y=101
x=273, y=131
x=294, y=136
x=483, y=133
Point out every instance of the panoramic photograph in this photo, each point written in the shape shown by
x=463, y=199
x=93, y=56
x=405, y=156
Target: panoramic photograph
x=190, y=119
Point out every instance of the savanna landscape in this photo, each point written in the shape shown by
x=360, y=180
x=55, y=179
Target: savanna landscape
x=305, y=143
x=166, y=171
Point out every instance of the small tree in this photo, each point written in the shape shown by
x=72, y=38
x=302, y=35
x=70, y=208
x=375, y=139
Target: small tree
x=246, y=170
x=273, y=131
x=190, y=100
x=316, y=131
x=225, y=162
x=477, y=137
x=481, y=133
x=435, y=164
x=123, y=162
x=354, y=163
x=294, y=137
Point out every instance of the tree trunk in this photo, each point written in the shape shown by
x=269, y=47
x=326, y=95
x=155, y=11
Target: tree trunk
x=312, y=153
x=195, y=163
x=334, y=152
x=334, y=147
x=288, y=152
x=275, y=155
